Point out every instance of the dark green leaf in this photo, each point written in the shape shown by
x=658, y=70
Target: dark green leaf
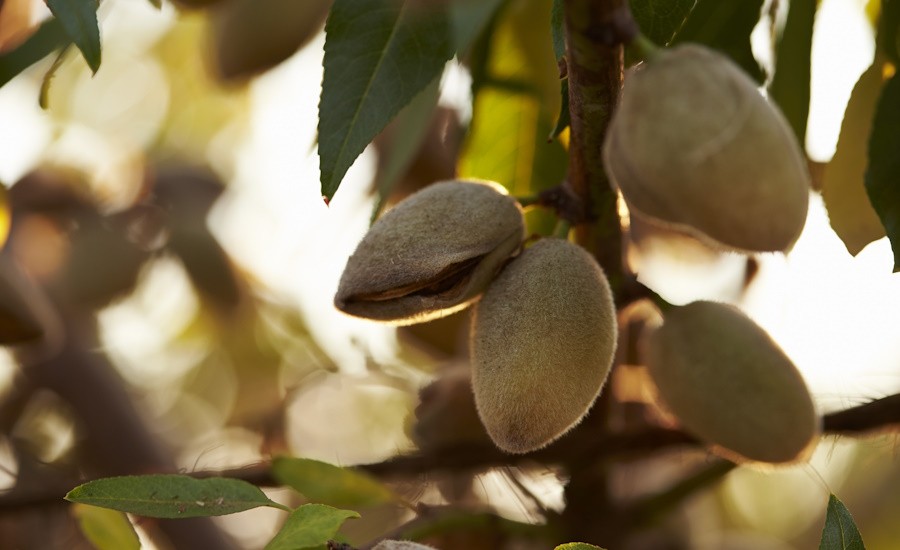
x=565, y=117
x=42, y=43
x=379, y=54
x=725, y=26
x=883, y=173
x=843, y=183
x=468, y=19
x=577, y=546
x=309, y=526
x=790, y=84
x=171, y=496
x=106, y=529
x=840, y=533
x=330, y=484
x=79, y=19
x=888, y=39
x=659, y=20
x=558, y=28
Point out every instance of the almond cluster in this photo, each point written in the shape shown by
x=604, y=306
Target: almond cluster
x=543, y=335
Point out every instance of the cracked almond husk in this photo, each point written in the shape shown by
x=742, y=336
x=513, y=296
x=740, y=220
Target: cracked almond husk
x=432, y=254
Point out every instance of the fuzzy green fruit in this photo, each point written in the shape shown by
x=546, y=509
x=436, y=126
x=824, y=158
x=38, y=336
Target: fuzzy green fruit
x=732, y=386
x=432, y=254
x=693, y=144
x=543, y=340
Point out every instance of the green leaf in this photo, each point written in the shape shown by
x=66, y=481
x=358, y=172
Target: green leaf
x=888, y=39
x=883, y=173
x=379, y=54
x=659, y=20
x=330, y=484
x=790, y=84
x=840, y=533
x=577, y=546
x=725, y=26
x=516, y=106
x=172, y=496
x=79, y=19
x=843, y=183
x=469, y=18
x=49, y=37
x=309, y=526
x=558, y=28
x=106, y=529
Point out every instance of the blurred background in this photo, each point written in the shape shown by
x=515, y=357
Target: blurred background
x=166, y=226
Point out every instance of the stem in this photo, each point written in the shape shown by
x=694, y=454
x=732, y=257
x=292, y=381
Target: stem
x=595, y=32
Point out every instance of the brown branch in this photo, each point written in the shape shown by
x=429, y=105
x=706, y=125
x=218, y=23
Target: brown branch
x=595, y=32
x=869, y=417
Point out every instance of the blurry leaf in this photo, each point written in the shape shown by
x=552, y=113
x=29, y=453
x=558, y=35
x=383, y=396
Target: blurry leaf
x=790, y=84
x=309, y=526
x=840, y=533
x=42, y=43
x=565, y=116
x=156, y=4
x=516, y=107
x=725, y=26
x=106, y=529
x=659, y=20
x=558, y=28
x=79, y=19
x=409, y=130
x=330, y=484
x=888, y=39
x=379, y=54
x=883, y=173
x=577, y=546
x=171, y=496
x=843, y=184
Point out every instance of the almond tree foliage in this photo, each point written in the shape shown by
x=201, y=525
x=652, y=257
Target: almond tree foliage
x=595, y=123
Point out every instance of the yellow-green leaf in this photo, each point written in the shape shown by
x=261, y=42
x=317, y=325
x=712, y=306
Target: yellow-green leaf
x=310, y=526
x=577, y=546
x=843, y=184
x=517, y=105
x=106, y=529
x=330, y=484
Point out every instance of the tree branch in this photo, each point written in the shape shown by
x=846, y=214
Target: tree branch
x=875, y=416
